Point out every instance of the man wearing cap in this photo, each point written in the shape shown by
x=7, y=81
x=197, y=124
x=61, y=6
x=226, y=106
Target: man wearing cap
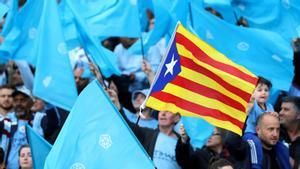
x=146, y=119
x=22, y=103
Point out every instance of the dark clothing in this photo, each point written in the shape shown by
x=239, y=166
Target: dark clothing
x=294, y=147
x=269, y=159
x=235, y=152
x=53, y=122
x=296, y=61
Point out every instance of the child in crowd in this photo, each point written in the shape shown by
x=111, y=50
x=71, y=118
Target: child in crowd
x=257, y=106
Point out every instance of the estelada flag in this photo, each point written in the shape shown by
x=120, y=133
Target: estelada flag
x=196, y=80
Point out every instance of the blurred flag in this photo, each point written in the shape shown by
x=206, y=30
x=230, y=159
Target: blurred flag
x=263, y=52
x=9, y=20
x=196, y=80
x=3, y=10
x=105, y=59
x=198, y=130
x=40, y=148
x=54, y=80
x=19, y=43
x=96, y=136
x=282, y=16
x=103, y=18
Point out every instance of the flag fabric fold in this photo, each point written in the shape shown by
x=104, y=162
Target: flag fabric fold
x=196, y=80
x=40, y=148
x=96, y=136
x=54, y=80
x=264, y=53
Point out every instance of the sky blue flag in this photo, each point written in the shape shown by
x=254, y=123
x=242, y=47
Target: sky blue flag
x=166, y=13
x=3, y=10
x=105, y=59
x=19, y=43
x=40, y=148
x=96, y=136
x=224, y=8
x=54, y=81
x=198, y=130
x=143, y=6
x=282, y=16
x=9, y=20
x=103, y=18
x=264, y=53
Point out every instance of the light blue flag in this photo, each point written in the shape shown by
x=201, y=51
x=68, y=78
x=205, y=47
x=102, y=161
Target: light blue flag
x=19, y=43
x=9, y=20
x=3, y=10
x=96, y=136
x=103, y=18
x=262, y=52
x=167, y=13
x=40, y=148
x=198, y=130
x=143, y=6
x=281, y=16
x=54, y=81
x=105, y=59
x=224, y=8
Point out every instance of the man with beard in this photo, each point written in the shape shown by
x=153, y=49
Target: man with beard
x=275, y=153
x=6, y=116
x=289, y=116
x=22, y=103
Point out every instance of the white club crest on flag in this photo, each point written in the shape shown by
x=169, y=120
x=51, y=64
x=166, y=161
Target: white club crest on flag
x=32, y=33
x=209, y=35
x=77, y=166
x=105, y=141
x=277, y=58
x=243, y=46
x=47, y=80
x=62, y=48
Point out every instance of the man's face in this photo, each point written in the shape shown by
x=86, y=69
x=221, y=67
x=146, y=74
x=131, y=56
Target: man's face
x=261, y=93
x=268, y=131
x=80, y=82
x=6, y=100
x=288, y=114
x=167, y=119
x=22, y=104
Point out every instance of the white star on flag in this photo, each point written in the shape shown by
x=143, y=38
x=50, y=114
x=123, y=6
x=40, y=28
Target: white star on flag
x=170, y=66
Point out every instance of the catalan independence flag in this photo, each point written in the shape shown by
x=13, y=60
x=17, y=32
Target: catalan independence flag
x=196, y=80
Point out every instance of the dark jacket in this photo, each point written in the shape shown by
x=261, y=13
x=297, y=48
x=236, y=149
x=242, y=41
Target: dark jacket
x=235, y=151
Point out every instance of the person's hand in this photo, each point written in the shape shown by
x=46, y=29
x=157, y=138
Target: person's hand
x=182, y=132
x=146, y=67
x=114, y=98
x=250, y=104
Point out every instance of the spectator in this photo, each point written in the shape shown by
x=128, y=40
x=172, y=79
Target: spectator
x=25, y=159
x=190, y=158
x=219, y=163
x=290, y=127
x=258, y=106
x=145, y=119
x=275, y=154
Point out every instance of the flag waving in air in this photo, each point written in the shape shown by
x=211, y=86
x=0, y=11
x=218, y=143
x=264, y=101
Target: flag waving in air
x=196, y=80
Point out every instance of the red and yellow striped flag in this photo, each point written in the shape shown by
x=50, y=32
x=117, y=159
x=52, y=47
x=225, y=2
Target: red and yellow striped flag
x=197, y=80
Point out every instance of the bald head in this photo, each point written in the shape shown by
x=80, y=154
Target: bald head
x=268, y=129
